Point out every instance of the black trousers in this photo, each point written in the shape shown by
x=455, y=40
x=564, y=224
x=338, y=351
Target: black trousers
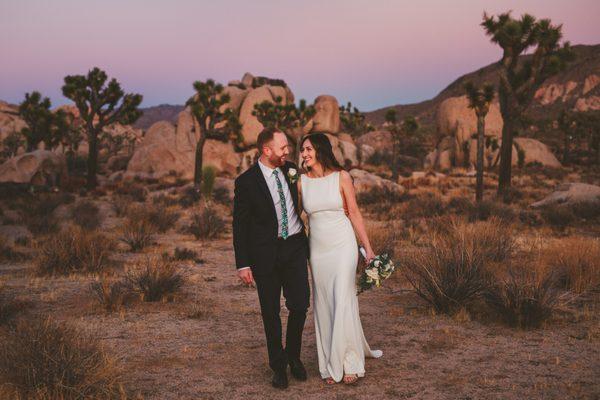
x=290, y=273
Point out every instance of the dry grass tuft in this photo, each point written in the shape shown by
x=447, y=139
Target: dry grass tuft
x=155, y=279
x=206, y=224
x=86, y=214
x=137, y=233
x=163, y=218
x=42, y=359
x=449, y=272
x=74, y=250
x=110, y=295
x=525, y=299
x=576, y=261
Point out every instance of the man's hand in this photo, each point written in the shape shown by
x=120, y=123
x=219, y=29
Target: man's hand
x=245, y=275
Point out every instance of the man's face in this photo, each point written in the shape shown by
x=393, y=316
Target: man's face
x=277, y=150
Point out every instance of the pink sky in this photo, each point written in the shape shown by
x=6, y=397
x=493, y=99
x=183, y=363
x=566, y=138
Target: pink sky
x=373, y=53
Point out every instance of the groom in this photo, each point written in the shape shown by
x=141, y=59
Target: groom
x=271, y=249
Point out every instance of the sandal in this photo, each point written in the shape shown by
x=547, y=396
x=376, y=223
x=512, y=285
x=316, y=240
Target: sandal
x=350, y=379
x=330, y=381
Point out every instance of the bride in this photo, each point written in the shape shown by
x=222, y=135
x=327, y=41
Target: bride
x=326, y=193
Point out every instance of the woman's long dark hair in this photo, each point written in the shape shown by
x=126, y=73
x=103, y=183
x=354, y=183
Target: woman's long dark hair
x=323, y=151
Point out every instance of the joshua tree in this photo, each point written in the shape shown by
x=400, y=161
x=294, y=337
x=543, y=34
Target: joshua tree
x=42, y=124
x=99, y=105
x=479, y=101
x=520, y=78
x=353, y=121
x=285, y=117
x=401, y=135
x=206, y=106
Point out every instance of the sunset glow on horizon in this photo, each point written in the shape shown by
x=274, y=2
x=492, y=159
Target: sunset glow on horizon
x=373, y=53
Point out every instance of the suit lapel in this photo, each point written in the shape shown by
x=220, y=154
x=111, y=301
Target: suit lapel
x=262, y=183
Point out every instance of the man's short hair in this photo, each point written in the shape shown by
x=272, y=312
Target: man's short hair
x=264, y=137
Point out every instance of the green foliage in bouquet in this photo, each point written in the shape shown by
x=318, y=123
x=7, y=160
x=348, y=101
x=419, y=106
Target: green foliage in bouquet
x=378, y=270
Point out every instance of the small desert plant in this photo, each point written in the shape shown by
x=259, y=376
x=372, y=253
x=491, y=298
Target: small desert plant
x=74, y=250
x=110, y=295
x=208, y=181
x=164, y=200
x=182, y=254
x=136, y=191
x=559, y=216
x=188, y=197
x=428, y=205
x=155, y=279
x=587, y=210
x=206, y=224
x=37, y=212
x=576, y=261
x=377, y=195
x=137, y=233
x=450, y=271
x=121, y=204
x=162, y=218
x=495, y=238
x=9, y=306
x=44, y=359
x=525, y=299
x=86, y=214
x=220, y=195
x=8, y=252
x=486, y=209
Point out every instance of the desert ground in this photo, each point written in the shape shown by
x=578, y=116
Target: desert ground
x=205, y=339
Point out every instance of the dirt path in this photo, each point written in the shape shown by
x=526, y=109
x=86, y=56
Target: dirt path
x=222, y=354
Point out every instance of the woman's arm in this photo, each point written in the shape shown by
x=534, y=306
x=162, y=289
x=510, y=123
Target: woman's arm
x=354, y=213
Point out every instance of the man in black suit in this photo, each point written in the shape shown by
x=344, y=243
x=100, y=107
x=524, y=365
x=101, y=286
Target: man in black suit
x=271, y=248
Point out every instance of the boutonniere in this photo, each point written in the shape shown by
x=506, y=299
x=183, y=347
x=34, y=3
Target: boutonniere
x=292, y=175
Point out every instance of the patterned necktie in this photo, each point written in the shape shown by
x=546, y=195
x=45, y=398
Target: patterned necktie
x=284, y=218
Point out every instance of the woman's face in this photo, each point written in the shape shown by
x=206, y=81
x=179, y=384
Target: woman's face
x=308, y=154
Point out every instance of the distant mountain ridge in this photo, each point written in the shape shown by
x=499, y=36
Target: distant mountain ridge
x=586, y=64
x=162, y=112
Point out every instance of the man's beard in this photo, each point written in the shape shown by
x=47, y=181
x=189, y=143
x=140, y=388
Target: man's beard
x=277, y=161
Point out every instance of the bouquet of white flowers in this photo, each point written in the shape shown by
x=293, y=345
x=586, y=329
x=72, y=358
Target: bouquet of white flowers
x=379, y=269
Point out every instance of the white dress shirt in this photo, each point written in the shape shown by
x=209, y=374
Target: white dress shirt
x=294, y=225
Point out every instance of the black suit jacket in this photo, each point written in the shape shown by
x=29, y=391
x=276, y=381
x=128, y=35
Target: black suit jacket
x=255, y=220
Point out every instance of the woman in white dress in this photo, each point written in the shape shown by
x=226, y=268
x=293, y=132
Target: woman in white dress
x=328, y=198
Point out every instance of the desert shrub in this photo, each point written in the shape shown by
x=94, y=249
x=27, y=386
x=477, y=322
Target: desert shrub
x=559, y=216
x=449, y=272
x=164, y=200
x=9, y=306
x=110, y=295
x=525, y=299
x=137, y=233
x=42, y=359
x=586, y=210
x=155, y=279
x=460, y=205
x=206, y=224
x=135, y=190
x=380, y=158
x=74, y=250
x=220, y=195
x=425, y=206
x=378, y=195
x=161, y=218
x=530, y=218
x=86, y=214
x=208, y=181
x=384, y=238
x=182, y=254
x=188, y=197
x=576, y=262
x=121, y=204
x=485, y=209
x=8, y=252
x=37, y=211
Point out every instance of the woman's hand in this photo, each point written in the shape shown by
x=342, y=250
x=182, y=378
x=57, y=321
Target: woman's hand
x=370, y=256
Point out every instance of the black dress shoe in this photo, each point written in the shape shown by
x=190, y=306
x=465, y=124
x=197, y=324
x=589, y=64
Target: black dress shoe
x=280, y=379
x=297, y=369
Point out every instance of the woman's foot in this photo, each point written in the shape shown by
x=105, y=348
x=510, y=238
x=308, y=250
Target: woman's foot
x=350, y=379
x=329, y=381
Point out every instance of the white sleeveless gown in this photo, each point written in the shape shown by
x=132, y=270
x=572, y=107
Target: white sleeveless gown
x=341, y=343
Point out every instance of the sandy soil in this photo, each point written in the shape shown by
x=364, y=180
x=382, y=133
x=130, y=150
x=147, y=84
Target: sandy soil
x=222, y=355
